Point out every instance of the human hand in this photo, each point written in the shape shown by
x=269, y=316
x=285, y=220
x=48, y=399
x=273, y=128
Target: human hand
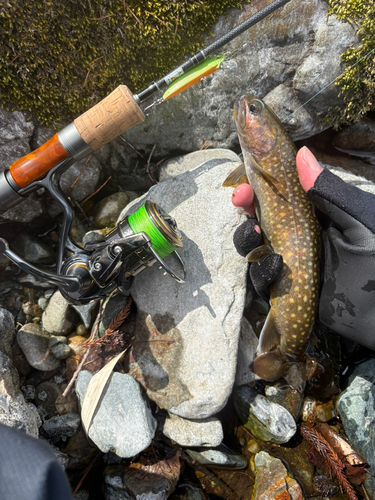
x=347, y=217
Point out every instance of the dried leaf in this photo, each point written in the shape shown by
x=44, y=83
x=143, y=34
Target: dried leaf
x=355, y=474
x=95, y=389
x=341, y=447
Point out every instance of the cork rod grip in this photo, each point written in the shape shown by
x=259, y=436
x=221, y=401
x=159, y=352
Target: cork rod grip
x=112, y=116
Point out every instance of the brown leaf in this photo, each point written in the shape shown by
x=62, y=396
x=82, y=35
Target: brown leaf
x=355, y=474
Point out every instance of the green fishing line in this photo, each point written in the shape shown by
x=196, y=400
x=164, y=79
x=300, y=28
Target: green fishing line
x=140, y=222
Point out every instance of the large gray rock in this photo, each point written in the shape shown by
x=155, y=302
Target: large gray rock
x=205, y=432
x=298, y=48
x=357, y=411
x=187, y=334
x=14, y=410
x=33, y=341
x=123, y=422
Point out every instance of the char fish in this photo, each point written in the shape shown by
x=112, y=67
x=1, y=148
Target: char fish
x=290, y=228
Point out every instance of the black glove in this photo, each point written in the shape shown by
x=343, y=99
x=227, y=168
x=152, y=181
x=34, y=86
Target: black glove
x=347, y=300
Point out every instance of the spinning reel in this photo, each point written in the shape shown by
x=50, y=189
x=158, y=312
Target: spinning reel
x=136, y=243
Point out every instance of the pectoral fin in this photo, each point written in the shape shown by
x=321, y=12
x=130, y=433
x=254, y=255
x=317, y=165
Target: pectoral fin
x=264, y=173
x=237, y=177
x=259, y=253
x=269, y=336
x=270, y=366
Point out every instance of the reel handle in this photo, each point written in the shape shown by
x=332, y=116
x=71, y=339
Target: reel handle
x=112, y=116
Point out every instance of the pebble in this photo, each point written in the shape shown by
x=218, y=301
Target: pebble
x=220, y=457
x=33, y=341
x=76, y=343
x=272, y=480
x=206, y=432
x=59, y=347
x=62, y=426
x=15, y=411
x=308, y=409
x=45, y=397
x=123, y=422
x=59, y=317
x=356, y=407
x=87, y=313
x=6, y=330
x=285, y=396
x=110, y=208
x=266, y=420
x=33, y=250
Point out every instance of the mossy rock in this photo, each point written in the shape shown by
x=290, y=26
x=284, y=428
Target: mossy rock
x=358, y=82
x=58, y=59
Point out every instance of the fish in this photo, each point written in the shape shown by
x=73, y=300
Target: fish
x=290, y=228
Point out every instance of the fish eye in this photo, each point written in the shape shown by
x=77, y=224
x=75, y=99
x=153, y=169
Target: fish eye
x=255, y=107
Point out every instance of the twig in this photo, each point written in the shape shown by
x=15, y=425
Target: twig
x=204, y=144
x=365, y=493
x=86, y=471
x=132, y=13
x=160, y=21
x=75, y=202
x=128, y=143
x=97, y=59
x=97, y=191
x=175, y=30
x=148, y=165
x=87, y=75
x=99, y=18
x=14, y=58
x=84, y=357
x=79, y=175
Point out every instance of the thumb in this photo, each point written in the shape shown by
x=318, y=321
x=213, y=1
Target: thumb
x=308, y=168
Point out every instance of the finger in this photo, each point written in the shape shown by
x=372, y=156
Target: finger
x=308, y=168
x=243, y=197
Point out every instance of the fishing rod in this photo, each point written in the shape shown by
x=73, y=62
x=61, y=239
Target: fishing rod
x=138, y=241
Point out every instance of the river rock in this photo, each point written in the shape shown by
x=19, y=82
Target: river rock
x=356, y=406
x=285, y=396
x=205, y=432
x=357, y=139
x=221, y=457
x=188, y=492
x=266, y=420
x=59, y=318
x=187, y=334
x=272, y=480
x=33, y=249
x=14, y=410
x=62, y=426
x=298, y=48
x=33, y=341
x=246, y=353
x=123, y=422
x=59, y=347
x=45, y=397
x=6, y=330
x=87, y=313
x=110, y=208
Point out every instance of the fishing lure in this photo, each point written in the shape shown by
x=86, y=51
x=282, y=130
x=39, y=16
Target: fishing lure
x=193, y=76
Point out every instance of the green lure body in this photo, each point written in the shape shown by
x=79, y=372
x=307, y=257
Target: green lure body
x=193, y=76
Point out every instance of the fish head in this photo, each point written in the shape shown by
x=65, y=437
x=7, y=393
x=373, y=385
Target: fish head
x=257, y=127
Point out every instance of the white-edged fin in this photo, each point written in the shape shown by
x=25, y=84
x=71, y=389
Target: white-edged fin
x=236, y=177
x=269, y=336
x=259, y=253
x=264, y=173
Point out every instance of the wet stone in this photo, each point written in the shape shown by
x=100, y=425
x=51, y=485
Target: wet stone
x=308, y=409
x=266, y=420
x=45, y=397
x=246, y=353
x=285, y=396
x=123, y=422
x=205, y=432
x=87, y=313
x=33, y=249
x=188, y=492
x=110, y=208
x=59, y=347
x=220, y=457
x=272, y=480
x=59, y=318
x=356, y=407
x=68, y=403
x=62, y=426
x=325, y=412
x=33, y=341
x=6, y=329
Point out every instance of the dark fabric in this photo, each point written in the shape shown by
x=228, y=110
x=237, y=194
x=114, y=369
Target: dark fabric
x=245, y=237
x=29, y=469
x=265, y=273
x=348, y=293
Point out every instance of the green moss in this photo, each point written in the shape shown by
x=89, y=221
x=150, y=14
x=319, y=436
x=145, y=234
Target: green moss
x=358, y=83
x=59, y=58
